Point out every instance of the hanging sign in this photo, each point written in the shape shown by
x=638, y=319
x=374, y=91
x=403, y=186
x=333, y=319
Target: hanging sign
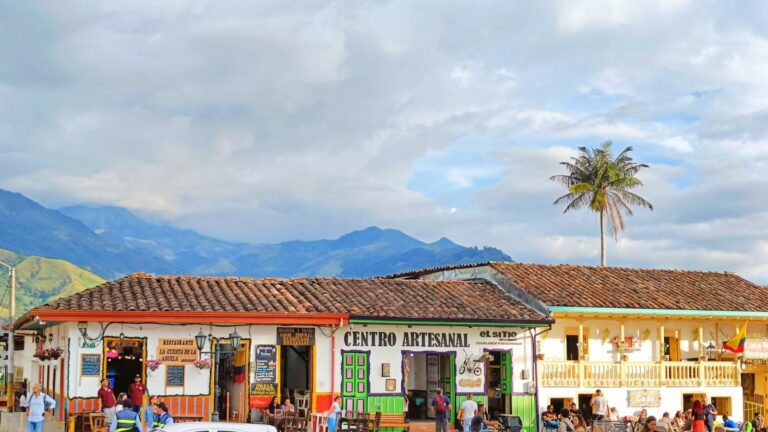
x=176, y=351
x=296, y=336
x=756, y=349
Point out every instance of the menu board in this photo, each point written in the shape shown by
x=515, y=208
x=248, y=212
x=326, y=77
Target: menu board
x=265, y=377
x=174, y=376
x=90, y=364
x=296, y=336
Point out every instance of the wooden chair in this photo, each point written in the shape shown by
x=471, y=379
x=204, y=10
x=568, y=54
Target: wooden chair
x=97, y=422
x=376, y=424
x=363, y=422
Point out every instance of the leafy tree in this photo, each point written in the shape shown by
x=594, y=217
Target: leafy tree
x=602, y=183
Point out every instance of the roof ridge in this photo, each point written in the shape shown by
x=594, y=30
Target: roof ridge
x=597, y=266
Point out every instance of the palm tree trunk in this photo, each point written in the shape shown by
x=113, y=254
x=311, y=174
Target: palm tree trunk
x=602, y=238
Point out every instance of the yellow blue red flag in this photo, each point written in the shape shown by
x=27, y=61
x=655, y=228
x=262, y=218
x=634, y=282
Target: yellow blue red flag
x=736, y=343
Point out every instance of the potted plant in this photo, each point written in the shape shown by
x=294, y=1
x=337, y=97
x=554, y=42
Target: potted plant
x=153, y=364
x=540, y=356
x=202, y=364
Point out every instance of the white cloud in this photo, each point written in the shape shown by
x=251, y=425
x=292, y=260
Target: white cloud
x=265, y=121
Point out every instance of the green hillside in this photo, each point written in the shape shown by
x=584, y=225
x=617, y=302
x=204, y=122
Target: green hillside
x=39, y=280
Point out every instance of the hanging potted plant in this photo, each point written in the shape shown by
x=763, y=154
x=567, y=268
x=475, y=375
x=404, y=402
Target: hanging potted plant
x=42, y=355
x=153, y=365
x=202, y=364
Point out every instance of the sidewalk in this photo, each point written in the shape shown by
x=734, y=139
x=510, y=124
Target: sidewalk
x=17, y=422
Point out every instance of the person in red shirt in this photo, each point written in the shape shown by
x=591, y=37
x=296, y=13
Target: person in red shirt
x=136, y=392
x=107, y=398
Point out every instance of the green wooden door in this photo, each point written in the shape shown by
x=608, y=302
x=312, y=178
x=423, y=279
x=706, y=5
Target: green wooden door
x=354, y=384
x=505, y=363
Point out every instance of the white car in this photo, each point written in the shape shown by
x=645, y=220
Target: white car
x=216, y=427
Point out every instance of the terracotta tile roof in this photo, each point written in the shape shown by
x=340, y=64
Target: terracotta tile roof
x=620, y=287
x=380, y=298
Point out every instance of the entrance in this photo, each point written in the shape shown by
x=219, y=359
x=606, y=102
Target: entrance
x=498, y=383
x=232, y=374
x=296, y=352
x=124, y=359
x=423, y=374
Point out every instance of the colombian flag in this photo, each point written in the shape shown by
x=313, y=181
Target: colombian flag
x=736, y=344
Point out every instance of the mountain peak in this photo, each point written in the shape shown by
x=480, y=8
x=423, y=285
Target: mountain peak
x=444, y=243
x=374, y=234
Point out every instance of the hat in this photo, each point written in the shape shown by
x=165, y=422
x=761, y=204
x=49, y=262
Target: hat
x=138, y=376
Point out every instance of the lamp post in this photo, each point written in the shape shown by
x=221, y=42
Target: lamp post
x=200, y=338
x=11, y=317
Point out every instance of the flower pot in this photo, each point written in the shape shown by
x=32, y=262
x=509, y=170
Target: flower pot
x=540, y=356
x=624, y=357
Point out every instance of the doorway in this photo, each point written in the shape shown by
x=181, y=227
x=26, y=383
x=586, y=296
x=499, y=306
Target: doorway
x=124, y=359
x=585, y=406
x=498, y=383
x=671, y=348
x=572, y=347
x=232, y=374
x=423, y=373
x=689, y=398
x=295, y=371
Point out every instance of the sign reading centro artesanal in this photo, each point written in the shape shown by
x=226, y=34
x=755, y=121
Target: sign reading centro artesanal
x=176, y=351
x=409, y=339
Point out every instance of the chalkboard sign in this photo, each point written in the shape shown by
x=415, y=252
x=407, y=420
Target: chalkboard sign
x=265, y=378
x=174, y=376
x=90, y=364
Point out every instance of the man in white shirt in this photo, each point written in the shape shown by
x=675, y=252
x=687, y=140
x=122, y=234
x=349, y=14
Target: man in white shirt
x=467, y=411
x=599, y=406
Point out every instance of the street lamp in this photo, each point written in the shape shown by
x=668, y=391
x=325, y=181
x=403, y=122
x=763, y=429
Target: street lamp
x=200, y=338
x=11, y=317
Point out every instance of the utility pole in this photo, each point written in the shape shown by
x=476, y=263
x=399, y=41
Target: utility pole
x=11, y=348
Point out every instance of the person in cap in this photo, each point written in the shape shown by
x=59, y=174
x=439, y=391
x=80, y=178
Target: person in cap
x=136, y=392
x=162, y=418
x=126, y=420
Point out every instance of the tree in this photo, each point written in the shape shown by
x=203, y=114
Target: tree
x=602, y=183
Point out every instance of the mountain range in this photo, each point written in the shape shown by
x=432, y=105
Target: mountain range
x=59, y=252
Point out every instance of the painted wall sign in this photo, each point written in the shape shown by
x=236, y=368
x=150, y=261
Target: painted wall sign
x=409, y=339
x=90, y=364
x=176, y=351
x=498, y=337
x=133, y=343
x=174, y=376
x=265, y=371
x=296, y=336
x=644, y=398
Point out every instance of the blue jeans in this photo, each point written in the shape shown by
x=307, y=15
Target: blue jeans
x=467, y=424
x=35, y=426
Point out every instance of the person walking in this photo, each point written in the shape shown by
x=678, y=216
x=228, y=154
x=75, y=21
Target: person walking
x=441, y=406
x=38, y=404
x=126, y=420
x=565, y=421
x=136, y=392
x=107, y=399
x=333, y=414
x=467, y=412
x=162, y=418
x=599, y=406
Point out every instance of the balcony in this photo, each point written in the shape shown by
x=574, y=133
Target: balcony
x=639, y=374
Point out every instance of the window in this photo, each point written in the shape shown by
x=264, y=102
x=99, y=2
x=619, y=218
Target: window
x=723, y=405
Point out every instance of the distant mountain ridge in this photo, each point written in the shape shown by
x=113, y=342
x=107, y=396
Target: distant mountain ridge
x=112, y=241
x=369, y=252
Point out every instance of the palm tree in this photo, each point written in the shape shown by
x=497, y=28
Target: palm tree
x=603, y=184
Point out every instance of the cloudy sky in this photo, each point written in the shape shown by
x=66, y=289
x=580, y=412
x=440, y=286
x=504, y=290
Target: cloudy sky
x=268, y=121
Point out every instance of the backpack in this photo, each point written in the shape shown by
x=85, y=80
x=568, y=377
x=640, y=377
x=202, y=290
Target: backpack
x=440, y=407
x=46, y=400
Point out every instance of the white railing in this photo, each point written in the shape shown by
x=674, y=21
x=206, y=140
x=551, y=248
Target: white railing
x=638, y=374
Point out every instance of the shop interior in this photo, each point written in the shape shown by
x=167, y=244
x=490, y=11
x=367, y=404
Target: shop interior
x=295, y=370
x=497, y=398
x=125, y=359
x=423, y=373
x=232, y=370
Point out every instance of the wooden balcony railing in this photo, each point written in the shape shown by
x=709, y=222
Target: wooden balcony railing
x=638, y=374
